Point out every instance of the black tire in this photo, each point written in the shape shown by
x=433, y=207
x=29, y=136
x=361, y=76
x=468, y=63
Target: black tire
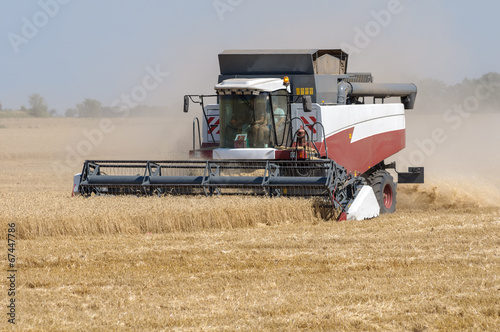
x=385, y=190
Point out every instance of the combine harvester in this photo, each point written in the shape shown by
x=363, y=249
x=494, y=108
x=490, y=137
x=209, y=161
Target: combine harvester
x=285, y=123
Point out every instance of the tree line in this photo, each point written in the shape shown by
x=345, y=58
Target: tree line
x=88, y=108
x=437, y=97
x=38, y=108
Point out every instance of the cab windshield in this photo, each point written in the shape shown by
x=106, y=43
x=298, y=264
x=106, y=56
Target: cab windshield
x=253, y=121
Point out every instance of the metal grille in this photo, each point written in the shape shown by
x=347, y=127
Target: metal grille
x=360, y=78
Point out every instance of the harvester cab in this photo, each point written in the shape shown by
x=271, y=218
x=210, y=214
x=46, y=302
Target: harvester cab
x=253, y=113
x=252, y=120
x=289, y=123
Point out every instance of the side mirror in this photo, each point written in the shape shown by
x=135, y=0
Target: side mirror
x=186, y=104
x=307, y=103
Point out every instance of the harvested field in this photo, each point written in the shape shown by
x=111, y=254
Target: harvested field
x=108, y=263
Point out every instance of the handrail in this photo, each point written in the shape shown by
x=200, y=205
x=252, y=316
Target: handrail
x=324, y=135
x=196, y=120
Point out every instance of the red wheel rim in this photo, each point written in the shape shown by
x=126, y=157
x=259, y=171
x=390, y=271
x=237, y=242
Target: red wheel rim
x=388, y=196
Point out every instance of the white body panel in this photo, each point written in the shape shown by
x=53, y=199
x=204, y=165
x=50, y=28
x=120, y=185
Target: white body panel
x=242, y=154
x=370, y=119
x=365, y=205
x=367, y=119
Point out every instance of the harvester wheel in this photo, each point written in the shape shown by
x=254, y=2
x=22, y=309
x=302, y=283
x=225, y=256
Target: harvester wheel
x=385, y=190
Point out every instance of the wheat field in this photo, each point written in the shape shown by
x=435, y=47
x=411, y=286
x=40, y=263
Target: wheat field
x=233, y=263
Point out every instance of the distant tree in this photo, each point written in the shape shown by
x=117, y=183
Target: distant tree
x=53, y=112
x=38, y=106
x=71, y=112
x=436, y=96
x=0, y=106
x=89, y=108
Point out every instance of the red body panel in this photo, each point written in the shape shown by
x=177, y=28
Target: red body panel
x=359, y=156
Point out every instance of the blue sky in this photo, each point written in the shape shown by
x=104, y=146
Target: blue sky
x=103, y=49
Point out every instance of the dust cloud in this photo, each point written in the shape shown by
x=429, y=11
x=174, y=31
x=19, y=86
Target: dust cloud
x=168, y=137
x=461, y=159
